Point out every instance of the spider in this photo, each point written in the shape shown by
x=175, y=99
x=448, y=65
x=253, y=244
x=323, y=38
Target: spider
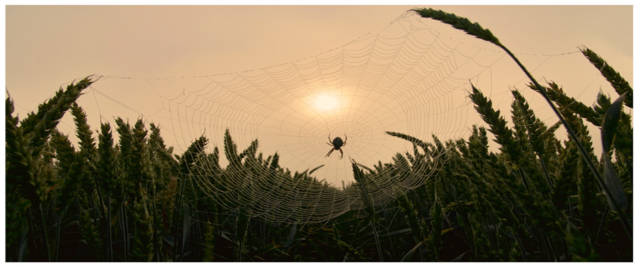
x=337, y=144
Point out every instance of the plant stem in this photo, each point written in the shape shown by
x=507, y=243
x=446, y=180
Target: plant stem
x=109, y=240
x=44, y=232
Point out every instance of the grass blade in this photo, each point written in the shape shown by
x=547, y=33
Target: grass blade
x=608, y=130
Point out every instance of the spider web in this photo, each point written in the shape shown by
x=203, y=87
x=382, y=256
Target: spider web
x=411, y=77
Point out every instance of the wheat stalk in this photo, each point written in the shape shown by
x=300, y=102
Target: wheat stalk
x=478, y=31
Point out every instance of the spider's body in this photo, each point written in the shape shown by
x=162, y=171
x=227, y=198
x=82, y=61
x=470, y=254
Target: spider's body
x=337, y=144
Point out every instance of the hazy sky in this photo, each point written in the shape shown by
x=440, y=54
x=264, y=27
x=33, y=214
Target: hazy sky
x=155, y=60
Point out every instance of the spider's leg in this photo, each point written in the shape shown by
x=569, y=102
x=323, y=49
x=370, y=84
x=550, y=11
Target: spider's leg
x=330, y=144
x=329, y=139
x=341, y=154
x=345, y=140
x=330, y=152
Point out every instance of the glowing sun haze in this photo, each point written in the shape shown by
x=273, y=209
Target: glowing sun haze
x=326, y=101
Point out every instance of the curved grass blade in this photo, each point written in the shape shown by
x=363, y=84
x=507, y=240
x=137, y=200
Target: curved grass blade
x=608, y=130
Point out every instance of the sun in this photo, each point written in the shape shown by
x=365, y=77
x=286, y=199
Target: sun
x=326, y=102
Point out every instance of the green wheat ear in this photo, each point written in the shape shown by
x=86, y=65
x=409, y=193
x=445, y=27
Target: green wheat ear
x=459, y=23
x=613, y=77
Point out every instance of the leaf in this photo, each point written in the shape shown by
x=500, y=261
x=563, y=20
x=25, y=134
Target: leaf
x=444, y=231
x=397, y=232
x=315, y=169
x=412, y=251
x=612, y=182
x=610, y=123
x=365, y=167
x=459, y=257
x=292, y=234
x=608, y=130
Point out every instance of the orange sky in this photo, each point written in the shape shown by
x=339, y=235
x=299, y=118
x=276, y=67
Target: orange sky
x=50, y=46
